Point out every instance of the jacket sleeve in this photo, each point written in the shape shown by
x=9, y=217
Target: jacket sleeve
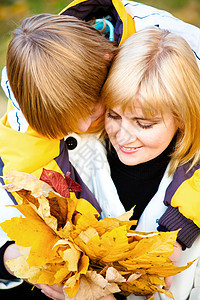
x=4, y=274
x=172, y=219
x=6, y=213
x=182, y=198
x=145, y=16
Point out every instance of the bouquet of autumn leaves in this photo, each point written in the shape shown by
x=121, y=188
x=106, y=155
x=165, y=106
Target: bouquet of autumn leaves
x=62, y=241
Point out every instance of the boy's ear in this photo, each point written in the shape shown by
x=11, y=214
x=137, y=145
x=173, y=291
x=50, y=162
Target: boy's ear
x=180, y=125
x=109, y=56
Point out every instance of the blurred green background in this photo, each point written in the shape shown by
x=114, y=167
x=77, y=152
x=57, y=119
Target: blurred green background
x=12, y=12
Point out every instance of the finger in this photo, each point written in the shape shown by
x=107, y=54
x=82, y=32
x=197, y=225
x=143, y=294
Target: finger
x=109, y=297
x=168, y=282
x=52, y=291
x=53, y=294
x=46, y=294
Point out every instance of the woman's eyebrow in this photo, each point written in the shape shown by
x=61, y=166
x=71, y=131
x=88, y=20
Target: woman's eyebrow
x=145, y=118
x=140, y=117
x=153, y=119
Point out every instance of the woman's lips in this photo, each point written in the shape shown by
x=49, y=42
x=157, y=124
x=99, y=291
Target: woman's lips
x=129, y=150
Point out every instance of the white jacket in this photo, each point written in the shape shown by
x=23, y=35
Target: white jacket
x=89, y=158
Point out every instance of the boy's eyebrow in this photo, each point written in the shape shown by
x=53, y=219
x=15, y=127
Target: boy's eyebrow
x=114, y=112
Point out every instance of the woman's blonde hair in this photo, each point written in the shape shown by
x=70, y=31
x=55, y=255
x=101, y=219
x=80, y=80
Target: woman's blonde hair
x=159, y=69
x=56, y=66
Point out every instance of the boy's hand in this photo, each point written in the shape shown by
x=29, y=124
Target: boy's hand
x=51, y=291
x=10, y=252
x=175, y=257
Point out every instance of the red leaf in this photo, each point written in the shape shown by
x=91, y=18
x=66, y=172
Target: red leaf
x=73, y=185
x=56, y=181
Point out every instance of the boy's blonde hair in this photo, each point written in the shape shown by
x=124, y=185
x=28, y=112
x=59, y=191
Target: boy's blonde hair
x=56, y=66
x=159, y=70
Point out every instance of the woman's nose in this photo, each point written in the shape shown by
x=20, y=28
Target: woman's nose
x=126, y=133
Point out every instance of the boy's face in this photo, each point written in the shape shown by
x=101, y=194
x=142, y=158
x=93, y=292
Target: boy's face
x=97, y=111
x=136, y=138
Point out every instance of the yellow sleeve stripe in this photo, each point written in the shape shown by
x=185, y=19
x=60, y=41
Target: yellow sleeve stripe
x=187, y=198
x=127, y=20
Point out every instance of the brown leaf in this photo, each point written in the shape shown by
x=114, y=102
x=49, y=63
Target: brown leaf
x=93, y=286
x=58, y=209
x=27, y=197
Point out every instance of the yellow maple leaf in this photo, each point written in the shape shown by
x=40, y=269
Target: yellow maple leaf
x=21, y=269
x=32, y=232
x=62, y=241
x=69, y=253
x=144, y=286
x=71, y=285
x=40, y=274
x=152, y=248
x=109, y=247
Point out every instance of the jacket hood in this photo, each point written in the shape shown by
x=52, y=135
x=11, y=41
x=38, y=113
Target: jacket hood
x=94, y=9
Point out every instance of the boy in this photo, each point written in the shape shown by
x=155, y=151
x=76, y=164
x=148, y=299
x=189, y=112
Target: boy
x=56, y=66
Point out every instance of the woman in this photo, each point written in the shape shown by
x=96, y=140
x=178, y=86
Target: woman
x=153, y=122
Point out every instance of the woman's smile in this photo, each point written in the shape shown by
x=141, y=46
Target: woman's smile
x=129, y=150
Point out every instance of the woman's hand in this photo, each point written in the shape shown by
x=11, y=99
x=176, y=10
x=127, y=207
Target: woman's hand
x=175, y=257
x=109, y=297
x=52, y=291
x=56, y=292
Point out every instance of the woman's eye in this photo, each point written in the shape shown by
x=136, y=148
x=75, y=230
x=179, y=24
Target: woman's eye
x=145, y=125
x=113, y=116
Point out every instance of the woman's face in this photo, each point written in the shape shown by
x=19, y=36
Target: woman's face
x=136, y=138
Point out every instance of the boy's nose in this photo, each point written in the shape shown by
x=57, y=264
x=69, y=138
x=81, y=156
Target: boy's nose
x=84, y=125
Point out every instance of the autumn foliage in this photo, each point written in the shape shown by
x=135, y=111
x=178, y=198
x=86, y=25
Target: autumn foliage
x=62, y=241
